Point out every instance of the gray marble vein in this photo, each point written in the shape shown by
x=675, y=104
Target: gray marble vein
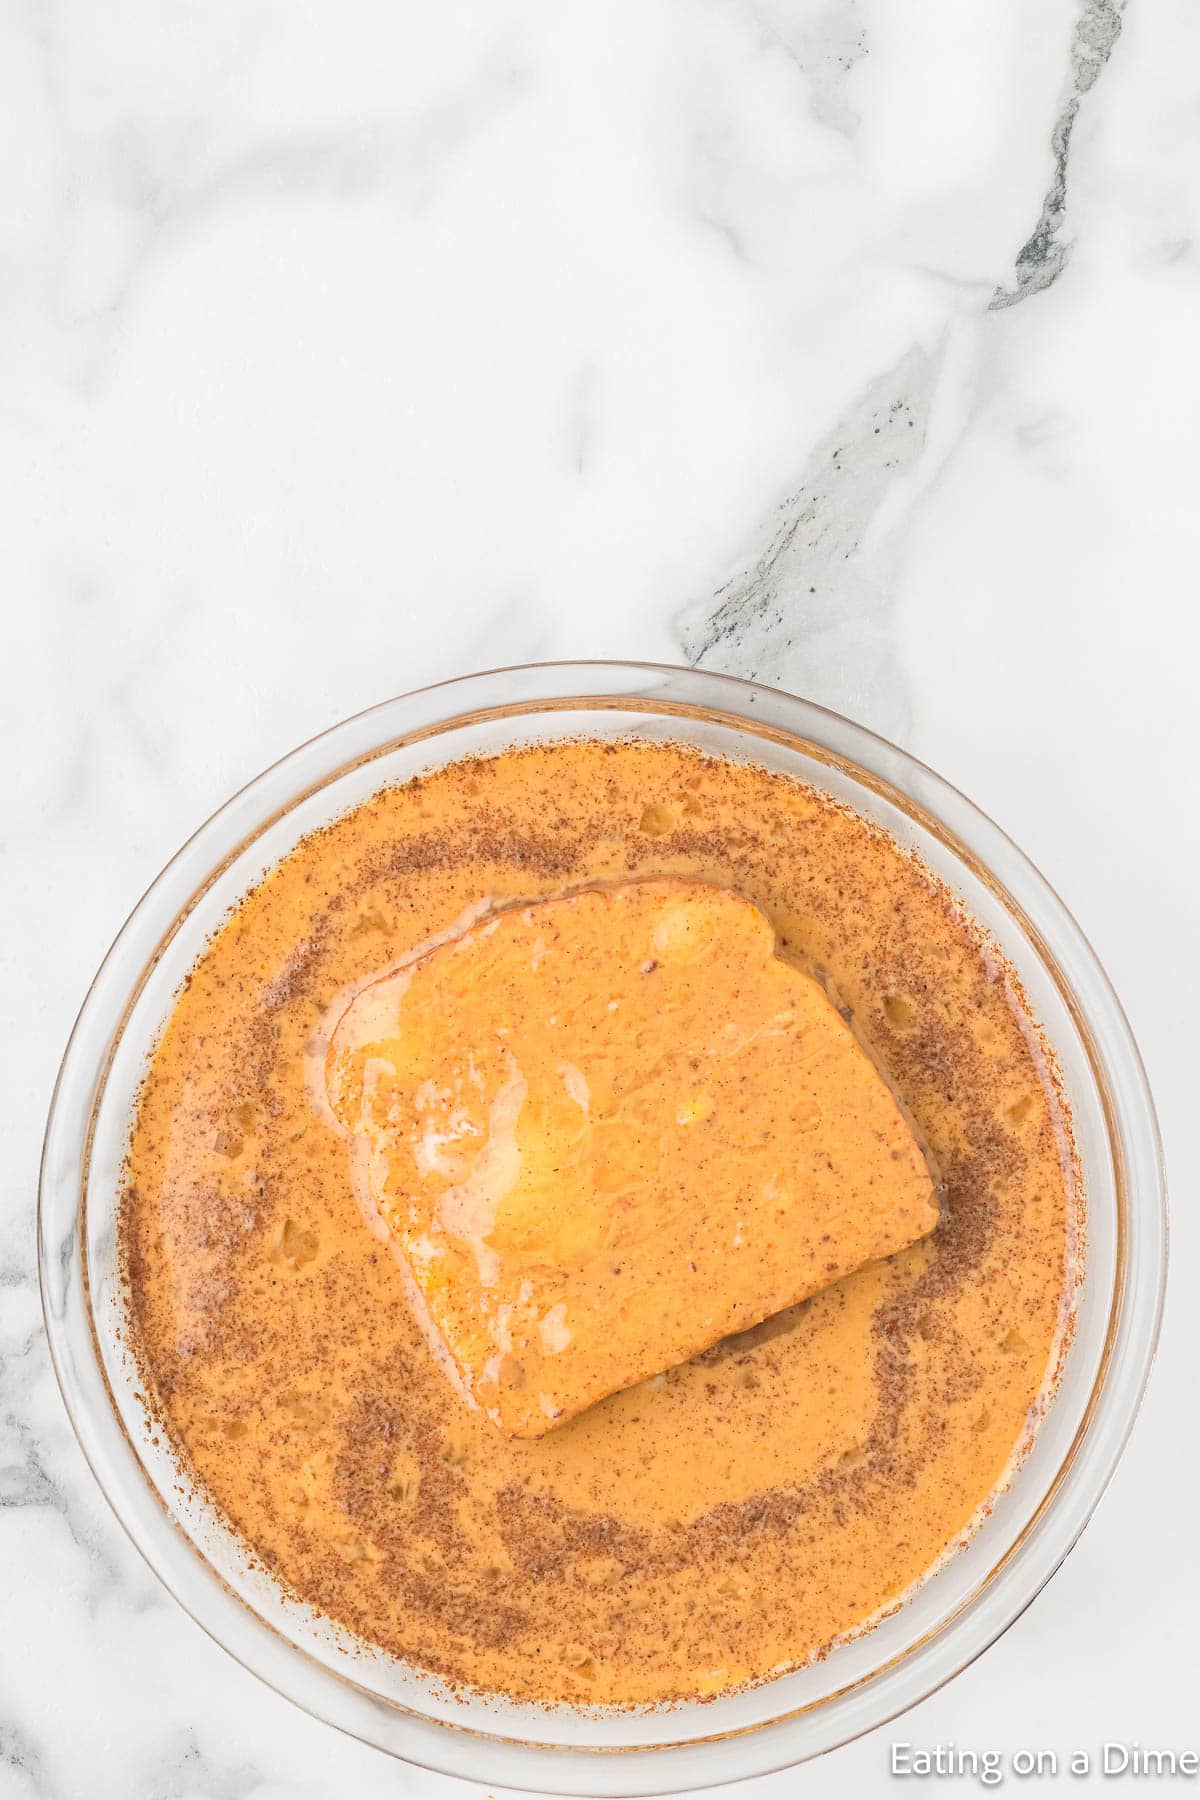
x=826, y=43
x=809, y=609
x=182, y=1769
x=812, y=608
x=21, y=1761
x=1043, y=256
x=29, y=1478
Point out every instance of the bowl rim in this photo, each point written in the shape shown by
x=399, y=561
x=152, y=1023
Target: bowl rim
x=1137, y=1304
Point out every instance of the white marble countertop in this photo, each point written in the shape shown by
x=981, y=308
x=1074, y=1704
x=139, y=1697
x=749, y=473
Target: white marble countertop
x=848, y=345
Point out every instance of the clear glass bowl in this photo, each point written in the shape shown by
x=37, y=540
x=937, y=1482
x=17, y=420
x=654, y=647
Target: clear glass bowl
x=976, y=1593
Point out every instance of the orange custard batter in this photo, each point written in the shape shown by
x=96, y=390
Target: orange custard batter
x=734, y=1514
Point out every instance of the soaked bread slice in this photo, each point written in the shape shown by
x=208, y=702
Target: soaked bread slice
x=608, y=1129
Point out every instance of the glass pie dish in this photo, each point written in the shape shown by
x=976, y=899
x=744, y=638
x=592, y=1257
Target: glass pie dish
x=975, y=1593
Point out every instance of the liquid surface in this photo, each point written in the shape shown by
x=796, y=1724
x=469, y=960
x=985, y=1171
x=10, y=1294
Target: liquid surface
x=715, y=1524
x=610, y=1129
